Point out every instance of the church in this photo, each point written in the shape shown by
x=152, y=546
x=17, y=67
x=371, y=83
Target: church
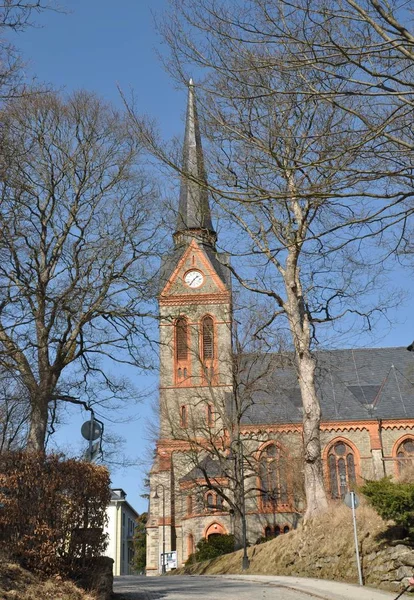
x=366, y=397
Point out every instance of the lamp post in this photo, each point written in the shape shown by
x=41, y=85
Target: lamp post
x=240, y=459
x=156, y=497
x=245, y=560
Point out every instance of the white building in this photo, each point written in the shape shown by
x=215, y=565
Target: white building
x=120, y=529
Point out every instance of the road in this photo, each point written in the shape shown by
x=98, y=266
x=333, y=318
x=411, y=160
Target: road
x=239, y=588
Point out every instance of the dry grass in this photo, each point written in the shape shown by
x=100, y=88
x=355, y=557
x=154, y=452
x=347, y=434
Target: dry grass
x=324, y=548
x=18, y=584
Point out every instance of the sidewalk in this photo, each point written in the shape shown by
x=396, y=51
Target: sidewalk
x=321, y=588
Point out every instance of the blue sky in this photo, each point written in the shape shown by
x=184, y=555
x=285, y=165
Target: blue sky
x=98, y=45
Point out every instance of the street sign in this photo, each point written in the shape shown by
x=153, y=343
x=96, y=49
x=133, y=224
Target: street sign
x=351, y=500
x=91, y=430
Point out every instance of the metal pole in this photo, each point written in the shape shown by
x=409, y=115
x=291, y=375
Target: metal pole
x=356, y=538
x=245, y=561
x=163, y=569
x=91, y=428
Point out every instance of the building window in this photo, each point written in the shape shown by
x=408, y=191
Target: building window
x=182, y=358
x=213, y=502
x=190, y=544
x=183, y=416
x=210, y=415
x=341, y=467
x=207, y=339
x=275, y=531
x=189, y=505
x=181, y=339
x=273, y=477
x=405, y=456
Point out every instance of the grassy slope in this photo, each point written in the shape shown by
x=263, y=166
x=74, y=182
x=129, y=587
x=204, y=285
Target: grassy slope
x=323, y=549
x=18, y=584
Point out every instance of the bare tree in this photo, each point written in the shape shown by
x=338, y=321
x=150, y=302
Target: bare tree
x=77, y=220
x=15, y=16
x=14, y=413
x=288, y=170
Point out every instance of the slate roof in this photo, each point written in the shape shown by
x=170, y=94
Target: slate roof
x=193, y=209
x=352, y=385
x=208, y=465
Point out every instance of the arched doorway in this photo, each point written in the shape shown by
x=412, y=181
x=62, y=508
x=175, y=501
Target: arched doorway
x=214, y=529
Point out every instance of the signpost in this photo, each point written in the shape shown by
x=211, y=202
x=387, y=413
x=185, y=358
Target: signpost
x=352, y=501
x=92, y=431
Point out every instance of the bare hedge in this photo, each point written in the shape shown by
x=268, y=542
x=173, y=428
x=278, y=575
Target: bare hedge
x=52, y=510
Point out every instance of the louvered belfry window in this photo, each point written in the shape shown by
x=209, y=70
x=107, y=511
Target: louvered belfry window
x=181, y=339
x=208, y=338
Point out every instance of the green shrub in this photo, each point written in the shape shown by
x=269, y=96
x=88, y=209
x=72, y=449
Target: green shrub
x=392, y=500
x=214, y=546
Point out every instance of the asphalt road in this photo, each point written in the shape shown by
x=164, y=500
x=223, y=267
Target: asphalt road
x=205, y=588
x=233, y=587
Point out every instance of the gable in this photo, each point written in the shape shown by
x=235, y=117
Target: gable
x=195, y=258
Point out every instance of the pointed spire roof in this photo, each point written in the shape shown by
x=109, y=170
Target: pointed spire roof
x=194, y=217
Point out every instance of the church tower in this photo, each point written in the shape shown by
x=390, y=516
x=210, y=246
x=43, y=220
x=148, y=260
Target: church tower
x=195, y=355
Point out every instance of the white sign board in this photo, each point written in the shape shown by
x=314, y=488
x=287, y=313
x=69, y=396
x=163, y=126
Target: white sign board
x=170, y=560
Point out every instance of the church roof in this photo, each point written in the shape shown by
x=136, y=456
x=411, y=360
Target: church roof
x=207, y=465
x=193, y=209
x=352, y=385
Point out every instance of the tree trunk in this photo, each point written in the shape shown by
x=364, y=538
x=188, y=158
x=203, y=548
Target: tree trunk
x=296, y=310
x=38, y=424
x=316, y=500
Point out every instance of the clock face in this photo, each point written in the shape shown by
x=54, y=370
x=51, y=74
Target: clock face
x=194, y=279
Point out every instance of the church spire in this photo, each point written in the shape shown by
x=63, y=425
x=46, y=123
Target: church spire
x=194, y=217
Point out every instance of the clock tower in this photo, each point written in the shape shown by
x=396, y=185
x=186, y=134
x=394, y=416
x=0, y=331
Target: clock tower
x=196, y=379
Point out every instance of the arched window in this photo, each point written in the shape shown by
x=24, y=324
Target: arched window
x=181, y=339
x=183, y=416
x=210, y=415
x=405, y=455
x=190, y=544
x=268, y=532
x=286, y=529
x=341, y=465
x=182, y=366
x=273, y=477
x=210, y=500
x=189, y=505
x=207, y=339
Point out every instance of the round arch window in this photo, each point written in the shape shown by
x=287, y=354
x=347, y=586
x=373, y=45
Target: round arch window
x=341, y=467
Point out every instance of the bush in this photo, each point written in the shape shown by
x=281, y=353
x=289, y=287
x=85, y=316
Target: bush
x=392, y=500
x=214, y=546
x=52, y=511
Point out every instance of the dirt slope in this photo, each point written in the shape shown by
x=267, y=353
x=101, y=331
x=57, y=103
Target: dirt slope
x=18, y=584
x=325, y=549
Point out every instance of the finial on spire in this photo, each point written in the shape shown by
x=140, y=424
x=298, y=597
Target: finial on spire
x=194, y=218
x=190, y=81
